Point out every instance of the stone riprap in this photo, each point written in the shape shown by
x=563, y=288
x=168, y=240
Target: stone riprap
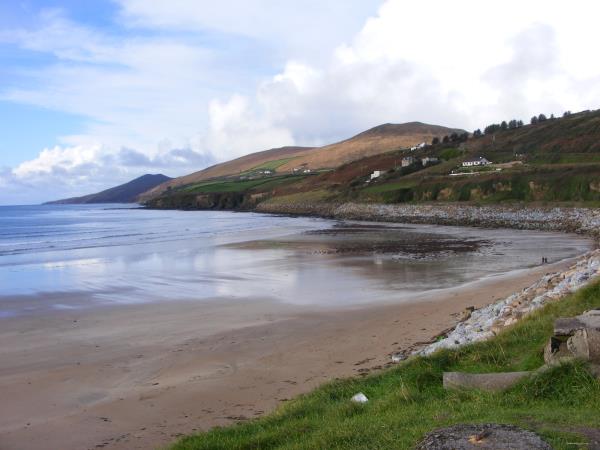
x=579, y=220
x=486, y=322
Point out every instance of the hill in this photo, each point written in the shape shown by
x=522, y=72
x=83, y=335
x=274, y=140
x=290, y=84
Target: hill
x=553, y=161
x=125, y=193
x=374, y=141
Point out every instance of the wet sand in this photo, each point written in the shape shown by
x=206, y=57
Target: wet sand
x=138, y=376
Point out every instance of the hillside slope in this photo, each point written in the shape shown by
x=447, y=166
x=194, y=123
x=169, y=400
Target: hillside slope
x=125, y=193
x=374, y=141
x=229, y=168
x=551, y=162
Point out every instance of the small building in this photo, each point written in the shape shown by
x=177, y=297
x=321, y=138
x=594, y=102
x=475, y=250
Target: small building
x=375, y=174
x=429, y=160
x=408, y=161
x=419, y=146
x=479, y=161
x=306, y=171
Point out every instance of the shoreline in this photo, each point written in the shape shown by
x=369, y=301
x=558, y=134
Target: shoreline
x=172, y=371
x=578, y=220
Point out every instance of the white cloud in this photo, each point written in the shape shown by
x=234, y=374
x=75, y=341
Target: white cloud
x=234, y=127
x=454, y=63
x=301, y=75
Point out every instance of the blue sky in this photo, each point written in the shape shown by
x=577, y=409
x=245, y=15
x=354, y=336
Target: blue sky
x=95, y=93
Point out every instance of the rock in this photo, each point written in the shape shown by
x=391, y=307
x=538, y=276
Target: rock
x=398, y=357
x=575, y=337
x=556, y=351
x=482, y=436
x=467, y=312
x=359, y=398
x=566, y=326
x=585, y=345
x=484, y=381
x=591, y=319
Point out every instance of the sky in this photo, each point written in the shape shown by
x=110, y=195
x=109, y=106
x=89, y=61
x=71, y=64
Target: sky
x=95, y=93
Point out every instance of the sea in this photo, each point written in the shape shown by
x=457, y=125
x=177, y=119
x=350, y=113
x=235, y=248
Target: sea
x=57, y=257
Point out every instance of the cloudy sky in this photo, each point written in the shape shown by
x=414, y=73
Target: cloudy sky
x=95, y=93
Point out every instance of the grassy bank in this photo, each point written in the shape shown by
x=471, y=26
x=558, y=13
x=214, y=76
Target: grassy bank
x=407, y=401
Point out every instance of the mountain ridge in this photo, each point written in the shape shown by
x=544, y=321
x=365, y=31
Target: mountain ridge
x=124, y=193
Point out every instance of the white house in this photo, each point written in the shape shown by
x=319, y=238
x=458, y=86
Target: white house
x=376, y=174
x=417, y=147
x=408, y=161
x=479, y=161
x=429, y=160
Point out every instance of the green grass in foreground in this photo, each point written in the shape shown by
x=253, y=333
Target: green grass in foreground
x=408, y=400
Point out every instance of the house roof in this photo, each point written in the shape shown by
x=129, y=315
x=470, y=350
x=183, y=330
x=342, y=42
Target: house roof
x=479, y=158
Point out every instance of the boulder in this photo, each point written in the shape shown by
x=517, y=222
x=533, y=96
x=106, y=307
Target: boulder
x=575, y=337
x=585, y=345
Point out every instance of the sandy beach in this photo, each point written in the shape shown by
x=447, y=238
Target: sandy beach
x=138, y=376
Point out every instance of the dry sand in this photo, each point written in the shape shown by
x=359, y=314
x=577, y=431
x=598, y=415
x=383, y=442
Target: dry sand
x=139, y=376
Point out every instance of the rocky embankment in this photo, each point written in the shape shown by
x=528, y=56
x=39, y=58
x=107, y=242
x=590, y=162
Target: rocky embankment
x=486, y=322
x=579, y=220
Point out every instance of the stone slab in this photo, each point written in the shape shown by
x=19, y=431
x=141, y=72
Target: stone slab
x=484, y=381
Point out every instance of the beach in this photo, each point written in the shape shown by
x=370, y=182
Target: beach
x=139, y=376
x=221, y=317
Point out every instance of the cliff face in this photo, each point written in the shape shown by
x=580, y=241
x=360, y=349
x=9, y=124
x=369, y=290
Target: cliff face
x=125, y=193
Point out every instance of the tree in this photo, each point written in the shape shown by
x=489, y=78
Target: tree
x=464, y=137
x=446, y=139
x=566, y=113
x=504, y=125
x=542, y=118
x=534, y=120
x=552, y=117
x=477, y=133
x=520, y=124
x=491, y=128
x=435, y=141
x=453, y=137
x=513, y=124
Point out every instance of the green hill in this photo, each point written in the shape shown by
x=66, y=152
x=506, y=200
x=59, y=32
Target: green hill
x=553, y=161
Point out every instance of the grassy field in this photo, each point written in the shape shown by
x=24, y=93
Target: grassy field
x=272, y=165
x=377, y=188
x=241, y=185
x=408, y=400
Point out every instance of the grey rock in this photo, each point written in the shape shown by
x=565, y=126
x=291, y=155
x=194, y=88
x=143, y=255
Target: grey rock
x=483, y=436
x=556, y=351
x=566, y=326
x=484, y=381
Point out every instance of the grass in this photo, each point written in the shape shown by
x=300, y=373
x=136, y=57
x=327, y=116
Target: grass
x=272, y=165
x=319, y=195
x=240, y=185
x=378, y=188
x=408, y=400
